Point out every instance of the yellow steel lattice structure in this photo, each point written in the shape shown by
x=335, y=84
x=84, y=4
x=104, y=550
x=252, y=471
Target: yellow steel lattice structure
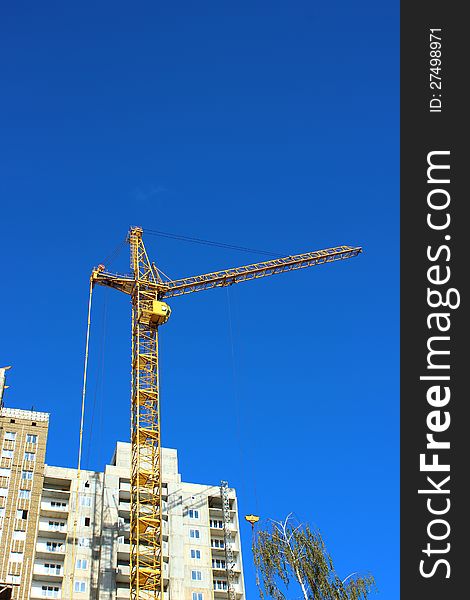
x=147, y=292
x=146, y=574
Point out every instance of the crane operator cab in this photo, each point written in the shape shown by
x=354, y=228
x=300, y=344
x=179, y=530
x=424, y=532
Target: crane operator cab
x=158, y=314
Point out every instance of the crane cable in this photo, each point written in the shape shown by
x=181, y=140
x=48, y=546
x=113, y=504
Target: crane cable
x=80, y=442
x=113, y=255
x=235, y=388
x=195, y=240
x=98, y=391
x=237, y=399
x=238, y=404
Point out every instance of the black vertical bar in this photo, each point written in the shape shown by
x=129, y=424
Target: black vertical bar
x=434, y=230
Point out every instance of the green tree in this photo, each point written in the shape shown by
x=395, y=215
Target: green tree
x=286, y=555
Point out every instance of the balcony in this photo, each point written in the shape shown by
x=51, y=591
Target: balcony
x=58, y=532
x=219, y=571
x=55, y=493
x=40, y=572
x=125, y=492
x=38, y=592
x=124, y=509
x=124, y=485
x=218, y=513
x=52, y=510
x=222, y=594
x=49, y=550
x=123, y=573
x=216, y=531
x=123, y=551
x=124, y=529
x=218, y=549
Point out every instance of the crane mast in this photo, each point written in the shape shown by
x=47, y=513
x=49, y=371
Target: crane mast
x=146, y=573
x=146, y=520
x=147, y=292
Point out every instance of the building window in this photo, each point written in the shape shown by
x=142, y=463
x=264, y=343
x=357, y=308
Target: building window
x=30, y=456
x=10, y=435
x=194, y=533
x=2, y=511
x=7, y=453
x=85, y=521
x=195, y=553
x=3, y=492
x=50, y=591
x=197, y=596
x=80, y=586
x=196, y=575
x=19, y=535
x=55, y=504
x=85, y=501
x=84, y=542
x=54, y=547
x=24, y=494
x=56, y=525
x=82, y=563
x=193, y=514
x=216, y=523
x=26, y=475
x=16, y=557
x=220, y=584
x=21, y=514
x=5, y=472
x=217, y=543
x=53, y=569
x=31, y=438
x=218, y=563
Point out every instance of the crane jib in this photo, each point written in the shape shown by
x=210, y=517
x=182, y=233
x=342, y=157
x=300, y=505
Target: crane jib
x=258, y=270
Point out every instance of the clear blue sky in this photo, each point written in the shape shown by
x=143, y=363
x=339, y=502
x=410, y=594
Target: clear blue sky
x=272, y=125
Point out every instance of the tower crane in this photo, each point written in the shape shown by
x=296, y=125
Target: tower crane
x=148, y=293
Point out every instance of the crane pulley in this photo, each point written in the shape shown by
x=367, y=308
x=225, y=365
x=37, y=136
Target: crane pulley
x=149, y=311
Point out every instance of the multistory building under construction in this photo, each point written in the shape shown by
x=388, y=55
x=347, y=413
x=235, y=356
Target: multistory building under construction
x=65, y=534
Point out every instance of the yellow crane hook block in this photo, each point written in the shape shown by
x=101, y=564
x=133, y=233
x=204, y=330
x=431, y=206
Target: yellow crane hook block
x=252, y=519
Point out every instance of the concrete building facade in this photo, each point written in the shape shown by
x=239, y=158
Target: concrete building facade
x=23, y=437
x=76, y=534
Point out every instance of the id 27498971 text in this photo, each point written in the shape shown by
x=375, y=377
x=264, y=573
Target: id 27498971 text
x=435, y=68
